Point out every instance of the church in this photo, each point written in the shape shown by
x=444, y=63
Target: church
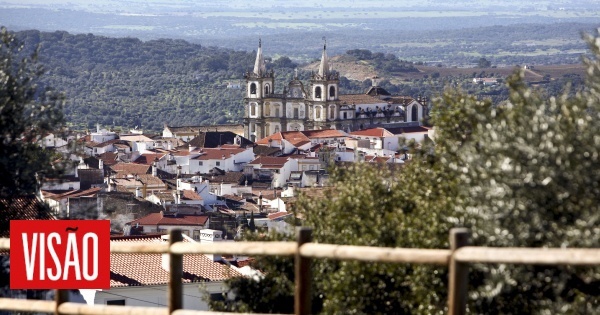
x=319, y=104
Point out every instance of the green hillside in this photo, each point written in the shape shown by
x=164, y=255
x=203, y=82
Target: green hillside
x=125, y=82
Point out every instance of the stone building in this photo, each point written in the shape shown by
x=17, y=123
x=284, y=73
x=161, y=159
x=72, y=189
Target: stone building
x=319, y=104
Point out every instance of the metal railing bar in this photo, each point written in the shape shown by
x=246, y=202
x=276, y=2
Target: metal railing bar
x=530, y=256
x=237, y=248
x=27, y=305
x=379, y=254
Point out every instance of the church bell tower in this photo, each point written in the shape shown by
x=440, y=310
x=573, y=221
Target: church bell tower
x=323, y=108
x=259, y=85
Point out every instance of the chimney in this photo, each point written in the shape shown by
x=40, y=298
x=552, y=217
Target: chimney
x=101, y=165
x=154, y=171
x=138, y=192
x=208, y=236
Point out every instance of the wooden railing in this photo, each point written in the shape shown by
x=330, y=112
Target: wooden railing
x=457, y=258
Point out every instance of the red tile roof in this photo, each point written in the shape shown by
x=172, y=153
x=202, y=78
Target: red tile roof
x=296, y=138
x=190, y=195
x=148, y=158
x=108, y=158
x=131, y=168
x=325, y=133
x=161, y=219
x=71, y=193
x=359, y=99
x=270, y=161
x=276, y=215
x=139, y=269
x=372, y=132
x=216, y=153
x=21, y=208
x=265, y=141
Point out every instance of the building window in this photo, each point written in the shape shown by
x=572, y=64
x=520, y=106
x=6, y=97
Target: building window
x=317, y=113
x=331, y=112
x=197, y=235
x=218, y=163
x=345, y=115
x=331, y=91
x=414, y=113
x=115, y=302
x=267, y=89
x=318, y=92
x=296, y=115
x=253, y=109
x=276, y=110
x=253, y=88
x=200, y=163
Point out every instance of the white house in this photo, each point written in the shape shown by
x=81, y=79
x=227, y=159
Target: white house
x=416, y=133
x=380, y=138
x=227, y=158
x=102, y=135
x=274, y=169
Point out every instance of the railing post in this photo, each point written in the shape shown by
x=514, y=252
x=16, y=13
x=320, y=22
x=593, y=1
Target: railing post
x=175, y=294
x=459, y=274
x=60, y=296
x=303, y=276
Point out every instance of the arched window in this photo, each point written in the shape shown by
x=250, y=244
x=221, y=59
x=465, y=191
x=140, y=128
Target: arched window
x=332, y=91
x=253, y=88
x=414, y=113
x=267, y=109
x=331, y=112
x=253, y=109
x=276, y=110
x=318, y=92
x=267, y=89
x=318, y=112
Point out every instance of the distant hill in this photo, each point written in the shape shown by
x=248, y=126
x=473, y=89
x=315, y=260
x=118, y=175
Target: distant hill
x=126, y=82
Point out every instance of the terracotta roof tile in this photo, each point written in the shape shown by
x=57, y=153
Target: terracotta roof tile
x=190, y=195
x=160, y=218
x=325, y=133
x=21, y=208
x=270, y=161
x=296, y=138
x=372, y=132
x=148, y=158
x=277, y=215
x=137, y=269
x=216, y=153
x=131, y=168
x=265, y=141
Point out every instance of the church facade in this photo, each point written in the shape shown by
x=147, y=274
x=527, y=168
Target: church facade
x=319, y=104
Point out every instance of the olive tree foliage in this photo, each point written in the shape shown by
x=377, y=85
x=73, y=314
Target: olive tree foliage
x=528, y=173
x=28, y=112
x=366, y=206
